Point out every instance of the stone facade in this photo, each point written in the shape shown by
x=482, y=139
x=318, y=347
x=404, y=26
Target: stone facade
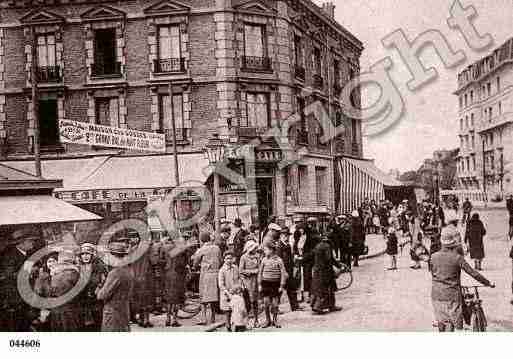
x=485, y=127
x=212, y=75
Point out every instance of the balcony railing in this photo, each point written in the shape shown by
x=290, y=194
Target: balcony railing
x=99, y=69
x=300, y=72
x=302, y=137
x=318, y=81
x=48, y=74
x=169, y=65
x=181, y=135
x=252, y=63
x=247, y=132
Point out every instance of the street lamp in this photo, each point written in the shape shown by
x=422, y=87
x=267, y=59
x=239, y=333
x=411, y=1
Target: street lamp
x=214, y=153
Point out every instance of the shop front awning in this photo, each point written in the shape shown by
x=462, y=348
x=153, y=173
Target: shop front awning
x=40, y=209
x=361, y=179
x=119, y=178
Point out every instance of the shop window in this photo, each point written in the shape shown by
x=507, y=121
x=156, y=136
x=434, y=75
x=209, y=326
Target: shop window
x=48, y=123
x=107, y=111
x=105, y=63
x=166, y=120
x=47, y=69
x=255, y=48
x=258, y=110
x=169, y=50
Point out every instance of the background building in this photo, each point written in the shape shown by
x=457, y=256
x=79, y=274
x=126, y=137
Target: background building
x=484, y=121
x=227, y=67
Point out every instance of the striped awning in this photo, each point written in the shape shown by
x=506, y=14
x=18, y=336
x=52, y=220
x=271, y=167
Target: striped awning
x=360, y=179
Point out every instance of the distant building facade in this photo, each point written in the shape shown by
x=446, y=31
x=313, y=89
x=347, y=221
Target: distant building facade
x=485, y=130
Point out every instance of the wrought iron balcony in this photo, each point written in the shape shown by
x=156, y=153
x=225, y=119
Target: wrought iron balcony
x=300, y=72
x=169, y=65
x=318, y=81
x=99, y=69
x=302, y=137
x=252, y=63
x=48, y=74
x=247, y=132
x=182, y=135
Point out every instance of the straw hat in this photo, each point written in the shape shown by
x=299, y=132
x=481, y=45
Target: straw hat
x=250, y=246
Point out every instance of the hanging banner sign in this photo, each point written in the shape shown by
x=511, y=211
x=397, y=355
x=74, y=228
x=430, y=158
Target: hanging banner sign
x=84, y=133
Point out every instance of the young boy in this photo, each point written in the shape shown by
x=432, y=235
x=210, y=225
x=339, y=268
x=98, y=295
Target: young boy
x=391, y=249
x=271, y=282
x=228, y=279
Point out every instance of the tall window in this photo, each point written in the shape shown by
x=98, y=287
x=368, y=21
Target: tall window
x=46, y=50
x=169, y=50
x=466, y=122
x=107, y=111
x=336, y=72
x=471, y=120
x=105, y=53
x=166, y=120
x=354, y=130
x=500, y=108
x=317, y=61
x=490, y=113
x=254, y=40
x=461, y=102
x=461, y=124
x=489, y=89
x=498, y=84
x=321, y=185
x=471, y=97
x=468, y=164
x=466, y=100
x=473, y=142
x=48, y=123
x=298, y=51
x=474, y=163
x=257, y=110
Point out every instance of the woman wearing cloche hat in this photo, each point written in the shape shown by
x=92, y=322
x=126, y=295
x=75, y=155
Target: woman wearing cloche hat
x=446, y=267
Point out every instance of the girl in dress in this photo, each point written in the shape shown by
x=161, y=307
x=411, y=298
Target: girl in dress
x=228, y=279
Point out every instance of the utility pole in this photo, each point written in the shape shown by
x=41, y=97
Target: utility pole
x=35, y=106
x=173, y=127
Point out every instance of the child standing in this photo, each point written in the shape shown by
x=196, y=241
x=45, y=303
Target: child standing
x=228, y=279
x=239, y=314
x=392, y=248
x=271, y=282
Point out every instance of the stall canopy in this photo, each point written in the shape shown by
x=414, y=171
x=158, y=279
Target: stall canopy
x=120, y=172
x=360, y=179
x=40, y=209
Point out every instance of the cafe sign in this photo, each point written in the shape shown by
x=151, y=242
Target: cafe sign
x=90, y=134
x=110, y=195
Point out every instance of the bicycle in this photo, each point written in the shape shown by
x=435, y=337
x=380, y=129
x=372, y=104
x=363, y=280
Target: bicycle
x=344, y=276
x=473, y=312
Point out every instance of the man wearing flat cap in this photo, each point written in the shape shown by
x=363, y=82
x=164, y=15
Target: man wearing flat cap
x=15, y=314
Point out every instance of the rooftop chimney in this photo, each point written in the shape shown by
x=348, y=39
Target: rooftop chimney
x=329, y=9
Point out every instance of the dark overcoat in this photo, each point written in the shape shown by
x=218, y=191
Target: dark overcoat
x=115, y=294
x=144, y=281
x=323, y=275
x=357, y=236
x=175, y=270
x=474, y=237
x=67, y=317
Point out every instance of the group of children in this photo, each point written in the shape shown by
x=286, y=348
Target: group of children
x=237, y=300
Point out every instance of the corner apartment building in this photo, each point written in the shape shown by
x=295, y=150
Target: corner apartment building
x=485, y=94
x=228, y=67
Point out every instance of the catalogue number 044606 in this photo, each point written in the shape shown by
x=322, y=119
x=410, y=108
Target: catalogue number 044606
x=25, y=343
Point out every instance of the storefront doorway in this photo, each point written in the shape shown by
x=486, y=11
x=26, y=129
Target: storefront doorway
x=265, y=195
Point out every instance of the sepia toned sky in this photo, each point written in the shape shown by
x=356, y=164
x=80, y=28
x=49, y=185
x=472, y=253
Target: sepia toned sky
x=430, y=120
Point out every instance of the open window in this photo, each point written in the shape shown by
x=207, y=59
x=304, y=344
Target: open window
x=169, y=50
x=105, y=60
x=49, y=125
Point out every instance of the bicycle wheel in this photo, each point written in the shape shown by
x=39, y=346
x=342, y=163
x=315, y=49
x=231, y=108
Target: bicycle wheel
x=478, y=321
x=345, y=279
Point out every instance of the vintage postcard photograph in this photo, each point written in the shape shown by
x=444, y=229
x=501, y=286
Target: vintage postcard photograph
x=258, y=166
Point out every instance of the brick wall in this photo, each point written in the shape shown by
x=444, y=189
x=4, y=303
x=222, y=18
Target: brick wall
x=14, y=49
x=16, y=107
x=139, y=108
x=201, y=35
x=203, y=115
x=74, y=49
x=136, y=35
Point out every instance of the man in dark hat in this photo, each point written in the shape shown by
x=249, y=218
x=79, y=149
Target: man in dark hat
x=284, y=251
x=116, y=292
x=15, y=314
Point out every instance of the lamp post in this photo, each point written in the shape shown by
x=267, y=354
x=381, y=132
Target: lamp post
x=214, y=153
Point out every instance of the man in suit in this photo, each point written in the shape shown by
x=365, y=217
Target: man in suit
x=15, y=314
x=284, y=251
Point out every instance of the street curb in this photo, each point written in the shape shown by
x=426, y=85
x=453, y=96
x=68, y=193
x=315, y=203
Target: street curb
x=214, y=326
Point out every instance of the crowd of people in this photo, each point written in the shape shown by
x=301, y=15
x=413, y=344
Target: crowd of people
x=236, y=270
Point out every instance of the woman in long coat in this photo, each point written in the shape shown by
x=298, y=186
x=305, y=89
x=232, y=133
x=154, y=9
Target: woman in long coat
x=116, y=293
x=208, y=258
x=357, y=237
x=324, y=283
x=142, y=299
x=474, y=237
x=175, y=270
x=64, y=276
